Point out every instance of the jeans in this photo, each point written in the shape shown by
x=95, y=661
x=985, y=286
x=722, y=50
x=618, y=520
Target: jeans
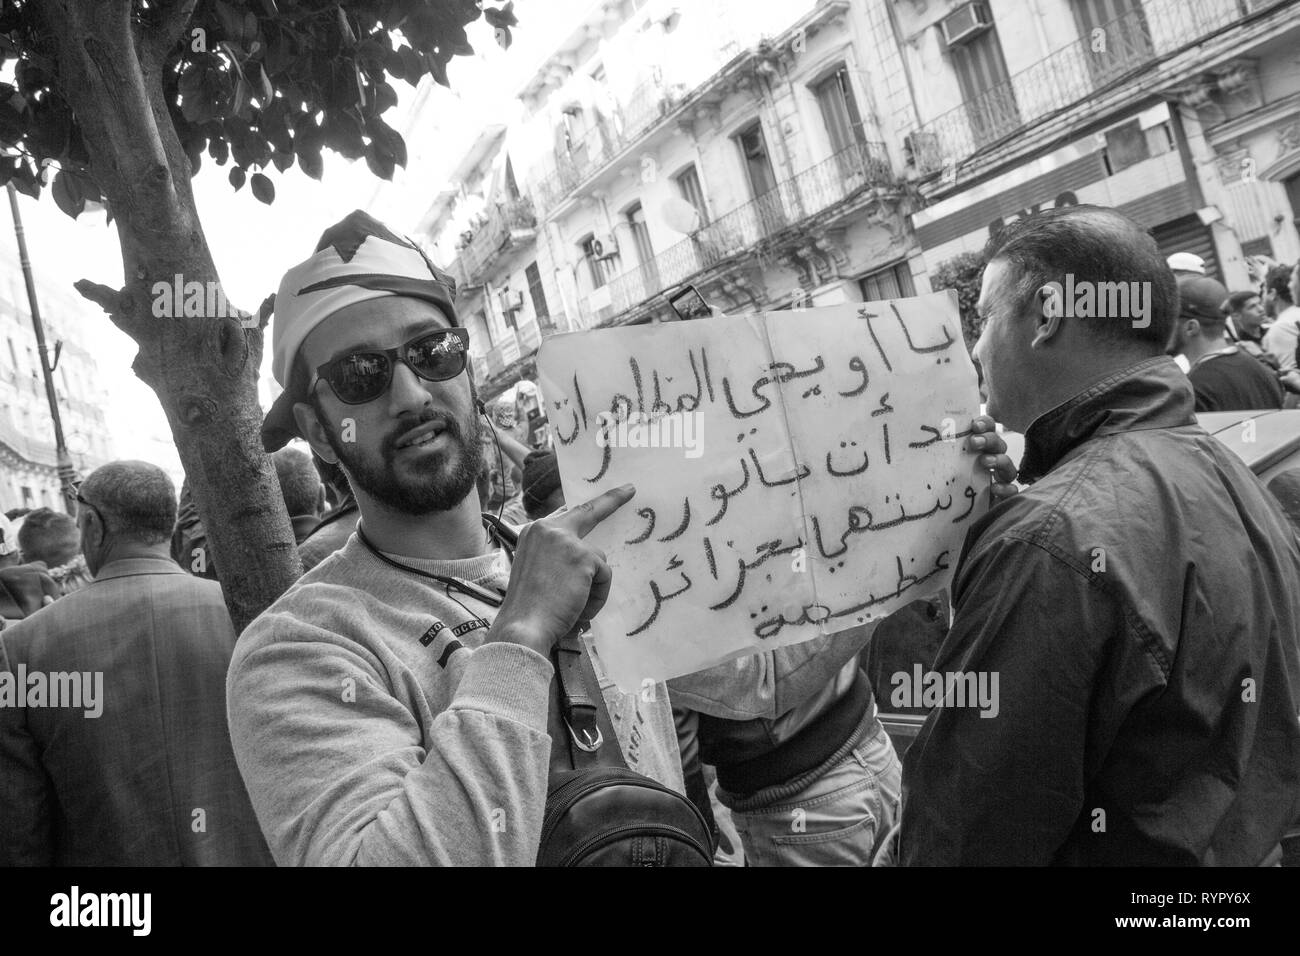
x=835, y=819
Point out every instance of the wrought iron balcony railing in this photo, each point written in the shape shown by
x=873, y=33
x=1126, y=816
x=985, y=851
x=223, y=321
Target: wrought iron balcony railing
x=507, y=222
x=792, y=200
x=610, y=135
x=1071, y=74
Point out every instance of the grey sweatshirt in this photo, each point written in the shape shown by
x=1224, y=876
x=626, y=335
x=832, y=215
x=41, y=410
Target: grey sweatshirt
x=372, y=725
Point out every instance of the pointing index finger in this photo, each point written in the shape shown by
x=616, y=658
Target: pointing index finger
x=580, y=519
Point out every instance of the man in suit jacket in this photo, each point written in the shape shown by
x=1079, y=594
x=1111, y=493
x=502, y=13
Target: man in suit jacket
x=114, y=748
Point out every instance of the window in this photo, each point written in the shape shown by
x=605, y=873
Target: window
x=635, y=217
x=895, y=282
x=688, y=183
x=480, y=321
x=1121, y=28
x=536, y=292
x=839, y=110
x=647, y=273
x=758, y=167
x=985, y=87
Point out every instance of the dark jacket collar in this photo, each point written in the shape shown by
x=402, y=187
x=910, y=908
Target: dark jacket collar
x=1154, y=393
x=127, y=567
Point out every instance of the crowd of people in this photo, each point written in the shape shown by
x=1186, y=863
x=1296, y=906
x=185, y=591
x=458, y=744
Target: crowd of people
x=1217, y=333
x=1137, y=595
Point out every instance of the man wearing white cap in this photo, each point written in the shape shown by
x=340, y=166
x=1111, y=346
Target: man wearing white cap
x=392, y=706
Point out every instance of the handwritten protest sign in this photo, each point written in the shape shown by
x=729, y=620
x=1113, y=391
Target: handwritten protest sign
x=797, y=473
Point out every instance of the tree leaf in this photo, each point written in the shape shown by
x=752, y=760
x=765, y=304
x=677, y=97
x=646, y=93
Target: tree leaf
x=381, y=165
x=262, y=188
x=237, y=177
x=387, y=141
x=281, y=160
x=67, y=194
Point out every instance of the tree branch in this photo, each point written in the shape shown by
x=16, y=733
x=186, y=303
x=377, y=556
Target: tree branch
x=169, y=30
x=108, y=299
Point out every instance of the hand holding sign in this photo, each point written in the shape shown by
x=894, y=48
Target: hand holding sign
x=798, y=474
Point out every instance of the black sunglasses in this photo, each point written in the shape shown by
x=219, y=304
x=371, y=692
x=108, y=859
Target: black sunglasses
x=361, y=377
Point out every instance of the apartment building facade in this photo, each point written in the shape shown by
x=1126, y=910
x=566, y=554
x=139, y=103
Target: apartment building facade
x=1181, y=113
x=823, y=151
x=29, y=475
x=737, y=148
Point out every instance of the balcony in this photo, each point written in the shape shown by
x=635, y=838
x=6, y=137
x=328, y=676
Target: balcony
x=507, y=224
x=1070, y=75
x=31, y=449
x=792, y=201
x=647, y=105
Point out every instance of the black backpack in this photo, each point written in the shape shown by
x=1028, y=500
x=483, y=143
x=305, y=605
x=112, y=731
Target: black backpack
x=599, y=812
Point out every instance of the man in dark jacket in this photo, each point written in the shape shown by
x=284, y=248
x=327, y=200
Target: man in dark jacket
x=1224, y=377
x=1139, y=602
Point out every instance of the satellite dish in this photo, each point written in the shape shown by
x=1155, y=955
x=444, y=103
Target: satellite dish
x=680, y=215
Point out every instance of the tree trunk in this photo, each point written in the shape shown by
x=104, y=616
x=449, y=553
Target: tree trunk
x=203, y=369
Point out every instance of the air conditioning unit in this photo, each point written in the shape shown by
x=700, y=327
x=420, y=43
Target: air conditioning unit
x=965, y=22
x=511, y=301
x=604, y=247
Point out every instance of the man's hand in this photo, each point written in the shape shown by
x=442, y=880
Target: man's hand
x=557, y=580
x=24, y=590
x=988, y=444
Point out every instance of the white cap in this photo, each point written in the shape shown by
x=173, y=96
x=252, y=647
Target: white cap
x=1186, y=262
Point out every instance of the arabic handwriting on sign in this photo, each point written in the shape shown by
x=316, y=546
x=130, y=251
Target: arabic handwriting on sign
x=648, y=513
x=659, y=599
x=972, y=495
x=731, y=402
x=719, y=492
x=938, y=436
x=860, y=520
x=871, y=329
x=831, y=469
x=559, y=433
x=765, y=552
x=773, y=626
x=686, y=520
x=947, y=337
x=801, y=473
x=856, y=365
x=885, y=408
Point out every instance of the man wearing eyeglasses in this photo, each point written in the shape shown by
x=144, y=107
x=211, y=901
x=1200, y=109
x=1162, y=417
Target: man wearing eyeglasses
x=391, y=707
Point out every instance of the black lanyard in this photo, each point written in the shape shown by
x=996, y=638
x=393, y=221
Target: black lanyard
x=500, y=533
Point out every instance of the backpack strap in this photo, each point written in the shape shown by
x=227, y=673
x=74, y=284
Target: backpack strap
x=582, y=734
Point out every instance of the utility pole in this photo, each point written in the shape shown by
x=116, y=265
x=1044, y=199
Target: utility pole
x=67, y=473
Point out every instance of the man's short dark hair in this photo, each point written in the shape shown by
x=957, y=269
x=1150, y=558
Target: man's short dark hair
x=299, y=483
x=49, y=536
x=1237, y=301
x=1278, y=278
x=136, y=499
x=1094, y=245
